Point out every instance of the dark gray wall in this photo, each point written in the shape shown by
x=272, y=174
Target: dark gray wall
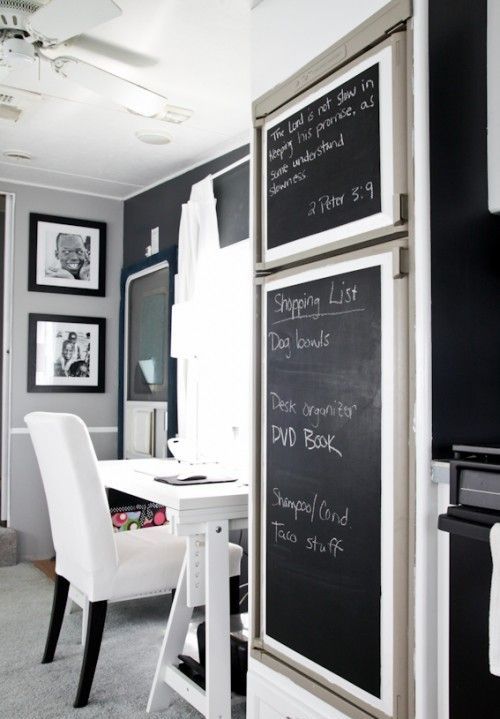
x=465, y=237
x=232, y=194
x=161, y=207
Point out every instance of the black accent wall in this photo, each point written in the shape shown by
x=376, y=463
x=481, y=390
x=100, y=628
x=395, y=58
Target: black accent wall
x=465, y=237
x=474, y=692
x=161, y=207
x=232, y=193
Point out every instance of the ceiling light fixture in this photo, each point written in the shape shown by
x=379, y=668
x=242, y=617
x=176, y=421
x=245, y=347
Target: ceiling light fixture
x=175, y=115
x=9, y=113
x=153, y=137
x=17, y=155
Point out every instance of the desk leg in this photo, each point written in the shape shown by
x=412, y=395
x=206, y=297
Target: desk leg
x=218, y=655
x=161, y=695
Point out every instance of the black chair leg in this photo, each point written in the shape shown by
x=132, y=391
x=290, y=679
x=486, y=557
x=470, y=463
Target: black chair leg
x=95, y=626
x=234, y=608
x=234, y=595
x=61, y=589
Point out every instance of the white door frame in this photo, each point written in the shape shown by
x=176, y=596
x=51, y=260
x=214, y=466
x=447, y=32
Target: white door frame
x=141, y=273
x=10, y=200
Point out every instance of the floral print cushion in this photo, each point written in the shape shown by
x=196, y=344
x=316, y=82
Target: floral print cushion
x=138, y=516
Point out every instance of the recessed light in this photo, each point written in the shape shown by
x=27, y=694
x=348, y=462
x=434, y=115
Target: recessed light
x=17, y=155
x=153, y=137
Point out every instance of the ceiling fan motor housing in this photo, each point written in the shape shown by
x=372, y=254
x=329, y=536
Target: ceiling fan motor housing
x=15, y=13
x=17, y=52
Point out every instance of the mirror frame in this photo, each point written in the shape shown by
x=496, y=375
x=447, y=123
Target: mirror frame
x=169, y=255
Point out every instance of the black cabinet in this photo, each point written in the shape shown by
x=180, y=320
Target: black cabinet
x=474, y=692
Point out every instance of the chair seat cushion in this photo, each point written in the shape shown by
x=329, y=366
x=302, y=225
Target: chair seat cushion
x=235, y=555
x=150, y=561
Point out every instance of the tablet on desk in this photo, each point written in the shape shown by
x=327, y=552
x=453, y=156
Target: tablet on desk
x=183, y=479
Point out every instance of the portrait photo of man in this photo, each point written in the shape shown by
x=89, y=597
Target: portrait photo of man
x=72, y=258
x=67, y=257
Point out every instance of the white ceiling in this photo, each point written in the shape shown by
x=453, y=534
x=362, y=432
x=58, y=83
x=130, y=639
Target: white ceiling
x=195, y=52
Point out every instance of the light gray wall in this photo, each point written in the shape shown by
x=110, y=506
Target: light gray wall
x=28, y=510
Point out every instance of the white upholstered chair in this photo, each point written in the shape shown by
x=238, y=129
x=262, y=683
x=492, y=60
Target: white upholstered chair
x=98, y=564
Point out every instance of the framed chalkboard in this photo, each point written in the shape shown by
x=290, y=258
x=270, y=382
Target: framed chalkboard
x=332, y=161
x=328, y=473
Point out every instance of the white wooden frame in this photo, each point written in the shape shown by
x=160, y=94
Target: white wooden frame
x=10, y=200
x=443, y=610
x=387, y=217
x=230, y=167
x=384, y=260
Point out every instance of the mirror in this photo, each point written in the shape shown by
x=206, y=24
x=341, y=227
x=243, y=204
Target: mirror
x=147, y=333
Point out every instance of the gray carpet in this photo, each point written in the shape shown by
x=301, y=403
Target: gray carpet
x=129, y=651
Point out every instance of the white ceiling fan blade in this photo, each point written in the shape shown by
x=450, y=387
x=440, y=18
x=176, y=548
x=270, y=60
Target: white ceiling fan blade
x=121, y=53
x=128, y=94
x=61, y=19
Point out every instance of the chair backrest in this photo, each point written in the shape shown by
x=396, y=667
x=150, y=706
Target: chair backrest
x=78, y=509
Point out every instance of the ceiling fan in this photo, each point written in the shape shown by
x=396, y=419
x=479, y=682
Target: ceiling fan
x=28, y=28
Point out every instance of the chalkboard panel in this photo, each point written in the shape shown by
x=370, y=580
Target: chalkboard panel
x=329, y=161
x=323, y=488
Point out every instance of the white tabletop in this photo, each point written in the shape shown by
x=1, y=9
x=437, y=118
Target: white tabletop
x=136, y=477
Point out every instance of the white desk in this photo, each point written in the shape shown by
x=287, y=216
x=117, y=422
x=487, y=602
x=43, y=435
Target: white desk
x=204, y=514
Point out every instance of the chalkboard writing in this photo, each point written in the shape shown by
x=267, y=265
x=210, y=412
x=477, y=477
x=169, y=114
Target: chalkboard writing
x=323, y=473
x=323, y=162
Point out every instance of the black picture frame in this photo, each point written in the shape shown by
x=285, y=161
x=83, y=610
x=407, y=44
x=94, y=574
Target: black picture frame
x=39, y=252
x=66, y=382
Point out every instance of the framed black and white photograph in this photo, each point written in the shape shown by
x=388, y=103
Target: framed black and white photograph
x=66, y=354
x=67, y=255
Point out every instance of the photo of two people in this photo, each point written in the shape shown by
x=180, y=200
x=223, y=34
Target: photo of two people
x=66, y=353
x=75, y=355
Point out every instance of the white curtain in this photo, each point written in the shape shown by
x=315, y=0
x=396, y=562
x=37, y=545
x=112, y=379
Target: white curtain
x=196, y=227
x=213, y=390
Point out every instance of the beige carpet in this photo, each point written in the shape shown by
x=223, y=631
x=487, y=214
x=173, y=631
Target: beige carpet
x=130, y=646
